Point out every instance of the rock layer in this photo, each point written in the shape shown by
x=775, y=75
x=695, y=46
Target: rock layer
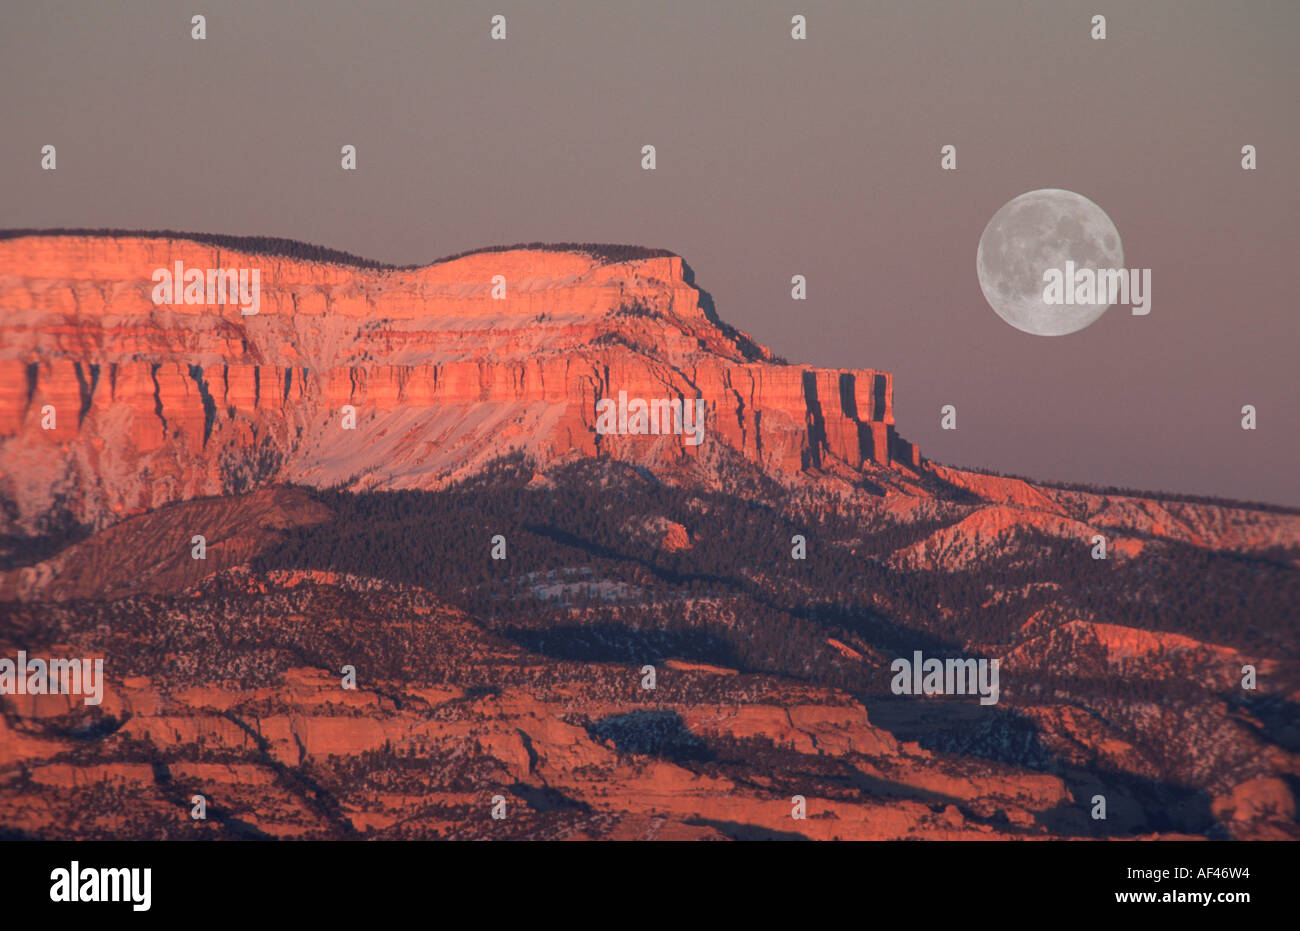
x=154, y=402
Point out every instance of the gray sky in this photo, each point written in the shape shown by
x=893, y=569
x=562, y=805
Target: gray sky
x=775, y=157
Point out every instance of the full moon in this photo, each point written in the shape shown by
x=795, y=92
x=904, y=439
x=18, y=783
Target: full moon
x=1032, y=233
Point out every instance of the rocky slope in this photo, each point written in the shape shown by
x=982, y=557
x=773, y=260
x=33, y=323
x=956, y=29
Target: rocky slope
x=427, y=740
x=523, y=678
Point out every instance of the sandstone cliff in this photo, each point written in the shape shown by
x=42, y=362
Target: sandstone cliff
x=161, y=402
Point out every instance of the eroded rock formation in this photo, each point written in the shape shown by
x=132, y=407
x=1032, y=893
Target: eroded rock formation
x=160, y=402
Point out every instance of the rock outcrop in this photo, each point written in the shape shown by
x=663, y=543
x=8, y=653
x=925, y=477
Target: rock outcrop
x=111, y=404
x=420, y=752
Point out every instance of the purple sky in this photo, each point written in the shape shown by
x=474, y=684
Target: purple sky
x=775, y=157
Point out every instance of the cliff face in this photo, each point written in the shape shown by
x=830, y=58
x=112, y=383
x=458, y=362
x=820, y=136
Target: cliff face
x=154, y=402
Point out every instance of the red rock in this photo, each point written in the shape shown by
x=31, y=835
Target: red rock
x=157, y=403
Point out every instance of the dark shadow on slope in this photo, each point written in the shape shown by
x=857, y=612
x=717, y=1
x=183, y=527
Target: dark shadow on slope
x=878, y=629
x=1293, y=783
x=1134, y=805
x=82, y=726
x=596, y=549
x=946, y=490
x=959, y=725
x=1272, y=719
x=183, y=797
x=13, y=834
x=298, y=781
x=961, y=728
x=544, y=798
x=614, y=643
x=651, y=733
x=739, y=831
x=787, y=772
